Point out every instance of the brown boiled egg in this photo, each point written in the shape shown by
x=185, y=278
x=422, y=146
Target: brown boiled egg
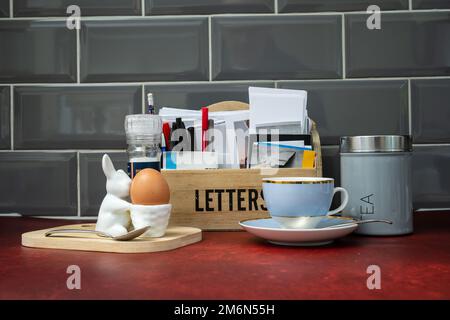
x=149, y=187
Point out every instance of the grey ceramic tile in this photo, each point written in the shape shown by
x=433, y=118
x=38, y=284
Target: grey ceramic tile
x=430, y=109
x=73, y=117
x=4, y=8
x=431, y=4
x=5, y=137
x=195, y=96
x=38, y=183
x=144, y=50
x=431, y=177
x=331, y=163
x=50, y=8
x=338, y=5
x=155, y=7
x=37, y=51
x=276, y=47
x=331, y=168
x=93, y=181
x=355, y=107
x=408, y=44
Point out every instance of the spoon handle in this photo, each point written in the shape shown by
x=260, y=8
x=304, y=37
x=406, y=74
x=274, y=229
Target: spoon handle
x=358, y=222
x=55, y=231
x=373, y=220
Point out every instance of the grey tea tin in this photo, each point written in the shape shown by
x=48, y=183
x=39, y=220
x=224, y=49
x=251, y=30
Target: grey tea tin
x=376, y=171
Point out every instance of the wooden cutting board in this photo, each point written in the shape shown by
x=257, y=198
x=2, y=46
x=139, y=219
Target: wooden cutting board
x=175, y=237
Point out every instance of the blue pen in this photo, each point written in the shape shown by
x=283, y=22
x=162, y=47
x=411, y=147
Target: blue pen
x=284, y=146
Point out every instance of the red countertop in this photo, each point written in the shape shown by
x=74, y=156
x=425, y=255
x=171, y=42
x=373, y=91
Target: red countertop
x=234, y=265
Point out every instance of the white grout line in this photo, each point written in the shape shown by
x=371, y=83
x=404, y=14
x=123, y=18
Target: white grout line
x=144, y=101
x=344, y=66
x=78, y=186
x=168, y=83
x=11, y=9
x=210, y=47
x=410, y=5
x=368, y=79
x=178, y=17
x=11, y=110
x=409, y=108
x=109, y=84
x=143, y=8
x=276, y=6
x=78, y=54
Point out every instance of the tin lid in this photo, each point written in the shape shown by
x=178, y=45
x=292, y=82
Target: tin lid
x=382, y=143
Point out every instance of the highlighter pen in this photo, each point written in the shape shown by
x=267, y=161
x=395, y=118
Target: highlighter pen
x=204, y=127
x=166, y=132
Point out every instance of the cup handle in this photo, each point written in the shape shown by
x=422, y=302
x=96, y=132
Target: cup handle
x=344, y=201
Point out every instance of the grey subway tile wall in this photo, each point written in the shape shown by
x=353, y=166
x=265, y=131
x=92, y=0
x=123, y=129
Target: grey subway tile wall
x=156, y=49
x=357, y=107
x=50, y=8
x=5, y=109
x=331, y=163
x=331, y=168
x=72, y=88
x=37, y=51
x=339, y=5
x=73, y=117
x=93, y=181
x=431, y=176
x=431, y=4
x=4, y=8
x=160, y=7
x=195, y=96
x=430, y=110
x=38, y=183
x=408, y=44
x=276, y=47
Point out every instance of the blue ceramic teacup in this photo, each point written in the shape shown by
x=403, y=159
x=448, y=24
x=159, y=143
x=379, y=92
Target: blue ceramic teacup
x=293, y=201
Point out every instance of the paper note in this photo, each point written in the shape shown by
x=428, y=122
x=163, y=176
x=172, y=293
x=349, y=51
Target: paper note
x=309, y=158
x=272, y=107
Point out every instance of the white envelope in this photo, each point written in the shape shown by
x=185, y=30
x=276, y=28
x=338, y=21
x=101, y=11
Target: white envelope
x=269, y=107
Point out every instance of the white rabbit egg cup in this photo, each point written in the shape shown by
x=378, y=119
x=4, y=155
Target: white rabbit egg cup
x=117, y=215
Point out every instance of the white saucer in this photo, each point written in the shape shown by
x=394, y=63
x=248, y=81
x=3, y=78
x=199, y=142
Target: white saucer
x=272, y=231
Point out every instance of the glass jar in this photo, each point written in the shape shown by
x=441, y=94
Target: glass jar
x=143, y=132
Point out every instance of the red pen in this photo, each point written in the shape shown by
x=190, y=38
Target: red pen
x=204, y=127
x=166, y=132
